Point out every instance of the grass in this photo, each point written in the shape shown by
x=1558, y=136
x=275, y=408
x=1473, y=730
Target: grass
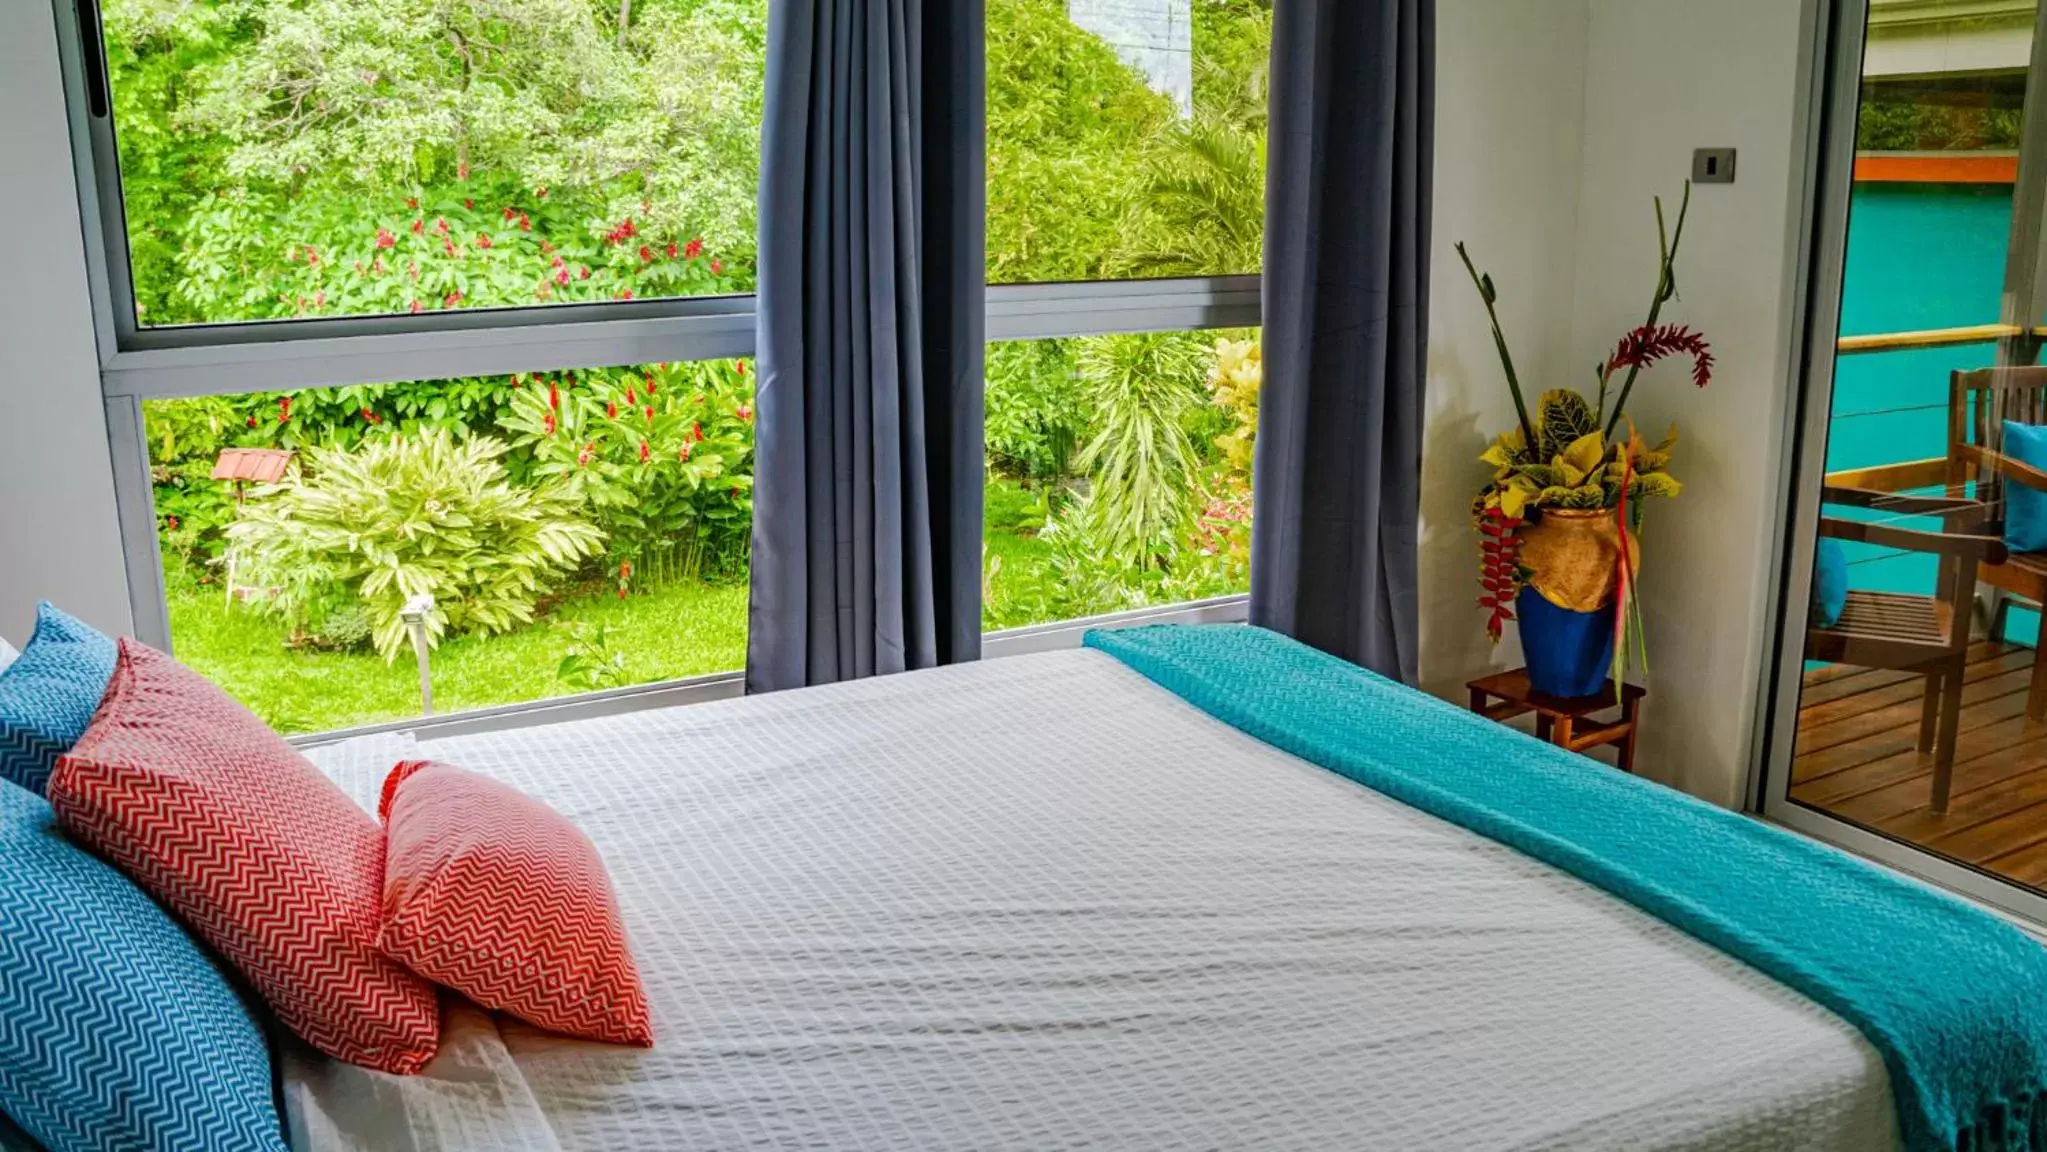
x=682, y=629
x=677, y=630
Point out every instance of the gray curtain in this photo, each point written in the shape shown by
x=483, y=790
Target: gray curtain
x=867, y=470
x=1338, y=464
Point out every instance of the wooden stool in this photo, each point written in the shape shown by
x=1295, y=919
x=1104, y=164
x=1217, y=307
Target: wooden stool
x=1567, y=723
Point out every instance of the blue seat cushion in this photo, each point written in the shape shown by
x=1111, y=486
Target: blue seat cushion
x=116, y=1031
x=1829, y=582
x=2025, y=509
x=48, y=695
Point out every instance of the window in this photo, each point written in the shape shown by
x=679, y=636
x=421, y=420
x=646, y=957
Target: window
x=296, y=202
x=580, y=530
x=1119, y=473
x=1126, y=138
x=360, y=157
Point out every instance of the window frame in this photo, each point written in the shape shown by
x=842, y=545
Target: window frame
x=140, y=363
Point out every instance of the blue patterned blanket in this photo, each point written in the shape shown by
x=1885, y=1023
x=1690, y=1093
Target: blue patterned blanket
x=1953, y=998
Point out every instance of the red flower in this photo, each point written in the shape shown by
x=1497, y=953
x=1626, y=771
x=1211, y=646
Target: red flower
x=449, y=245
x=554, y=397
x=631, y=397
x=412, y=269
x=462, y=170
x=441, y=225
x=744, y=412
x=625, y=294
x=483, y=240
x=611, y=410
x=283, y=409
x=451, y=299
x=694, y=248
x=510, y=212
x=367, y=414
x=696, y=432
x=683, y=452
x=171, y=522
x=385, y=239
x=716, y=268
x=545, y=247
x=583, y=272
x=540, y=192
x=625, y=569
x=561, y=276
x=1646, y=345
x=547, y=423
x=558, y=262
x=377, y=266
x=650, y=387
x=412, y=202
x=741, y=365
x=320, y=299
x=644, y=452
x=621, y=592
x=649, y=411
x=646, y=254
x=583, y=457
x=525, y=223
x=469, y=204
x=419, y=225
x=252, y=421
x=414, y=307
x=518, y=381
x=312, y=256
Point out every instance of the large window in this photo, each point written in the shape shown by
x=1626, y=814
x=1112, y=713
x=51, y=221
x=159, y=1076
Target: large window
x=327, y=158
x=575, y=531
x=1119, y=473
x=1126, y=138
x=539, y=219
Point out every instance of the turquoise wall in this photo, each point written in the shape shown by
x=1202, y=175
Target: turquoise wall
x=1919, y=256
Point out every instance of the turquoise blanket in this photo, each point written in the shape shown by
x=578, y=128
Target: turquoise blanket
x=1954, y=999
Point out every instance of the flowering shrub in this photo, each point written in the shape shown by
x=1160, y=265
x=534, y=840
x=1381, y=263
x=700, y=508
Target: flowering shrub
x=661, y=459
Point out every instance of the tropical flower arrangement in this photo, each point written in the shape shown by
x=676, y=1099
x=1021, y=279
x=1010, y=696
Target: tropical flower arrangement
x=1577, y=455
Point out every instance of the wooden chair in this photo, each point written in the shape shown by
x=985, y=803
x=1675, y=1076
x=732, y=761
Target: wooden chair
x=1978, y=404
x=1928, y=635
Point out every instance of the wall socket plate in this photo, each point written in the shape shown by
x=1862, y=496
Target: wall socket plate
x=1713, y=166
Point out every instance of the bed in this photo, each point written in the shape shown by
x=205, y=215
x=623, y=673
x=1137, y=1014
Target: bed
x=1043, y=903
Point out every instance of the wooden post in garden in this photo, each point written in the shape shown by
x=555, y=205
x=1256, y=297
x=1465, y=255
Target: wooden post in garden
x=414, y=615
x=245, y=466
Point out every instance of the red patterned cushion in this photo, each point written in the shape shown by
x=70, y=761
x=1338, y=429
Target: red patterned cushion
x=209, y=810
x=493, y=894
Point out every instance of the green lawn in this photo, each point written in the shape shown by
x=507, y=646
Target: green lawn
x=684, y=629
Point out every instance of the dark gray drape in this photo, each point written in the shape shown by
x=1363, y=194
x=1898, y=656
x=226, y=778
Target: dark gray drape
x=1338, y=463
x=867, y=467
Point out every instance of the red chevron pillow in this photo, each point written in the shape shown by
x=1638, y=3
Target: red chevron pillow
x=205, y=807
x=497, y=896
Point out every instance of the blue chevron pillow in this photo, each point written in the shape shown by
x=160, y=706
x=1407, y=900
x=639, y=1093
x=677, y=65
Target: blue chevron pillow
x=116, y=1031
x=48, y=695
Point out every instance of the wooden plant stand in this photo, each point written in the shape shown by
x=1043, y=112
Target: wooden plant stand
x=1567, y=723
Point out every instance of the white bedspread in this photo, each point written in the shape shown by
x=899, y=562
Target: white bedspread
x=1038, y=903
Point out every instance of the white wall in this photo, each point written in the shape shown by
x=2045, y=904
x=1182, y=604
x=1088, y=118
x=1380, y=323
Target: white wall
x=1625, y=89
x=1704, y=584
x=58, y=539
x=1509, y=131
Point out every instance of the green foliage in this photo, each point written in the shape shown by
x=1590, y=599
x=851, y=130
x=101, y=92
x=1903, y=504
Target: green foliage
x=660, y=458
x=1036, y=417
x=406, y=516
x=1143, y=464
x=1886, y=123
x=591, y=662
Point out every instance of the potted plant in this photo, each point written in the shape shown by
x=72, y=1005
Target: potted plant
x=1559, y=520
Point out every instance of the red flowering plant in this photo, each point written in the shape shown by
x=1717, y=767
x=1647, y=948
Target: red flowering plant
x=661, y=455
x=1568, y=453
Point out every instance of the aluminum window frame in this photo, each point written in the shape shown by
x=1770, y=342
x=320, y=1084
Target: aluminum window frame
x=139, y=363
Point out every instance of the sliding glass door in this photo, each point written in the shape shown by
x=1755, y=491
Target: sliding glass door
x=1909, y=711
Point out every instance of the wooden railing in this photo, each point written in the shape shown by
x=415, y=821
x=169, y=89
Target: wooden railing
x=1932, y=338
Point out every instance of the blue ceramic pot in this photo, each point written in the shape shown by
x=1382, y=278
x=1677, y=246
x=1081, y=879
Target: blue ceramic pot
x=1568, y=653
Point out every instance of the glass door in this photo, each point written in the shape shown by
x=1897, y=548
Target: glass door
x=1908, y=715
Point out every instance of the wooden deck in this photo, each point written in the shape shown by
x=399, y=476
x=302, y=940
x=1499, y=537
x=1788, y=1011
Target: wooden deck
x=1857, y=758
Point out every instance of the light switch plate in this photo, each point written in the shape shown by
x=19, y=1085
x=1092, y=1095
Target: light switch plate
x=1713, y=166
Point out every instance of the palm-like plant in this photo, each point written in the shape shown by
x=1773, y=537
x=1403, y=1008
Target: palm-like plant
x=1141, y=462
x=1203, y=206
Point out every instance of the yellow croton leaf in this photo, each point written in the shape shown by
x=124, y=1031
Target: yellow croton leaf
x=1514, y=497
x=1583, y=456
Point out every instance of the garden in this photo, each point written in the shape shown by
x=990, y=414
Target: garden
x=589, y=529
